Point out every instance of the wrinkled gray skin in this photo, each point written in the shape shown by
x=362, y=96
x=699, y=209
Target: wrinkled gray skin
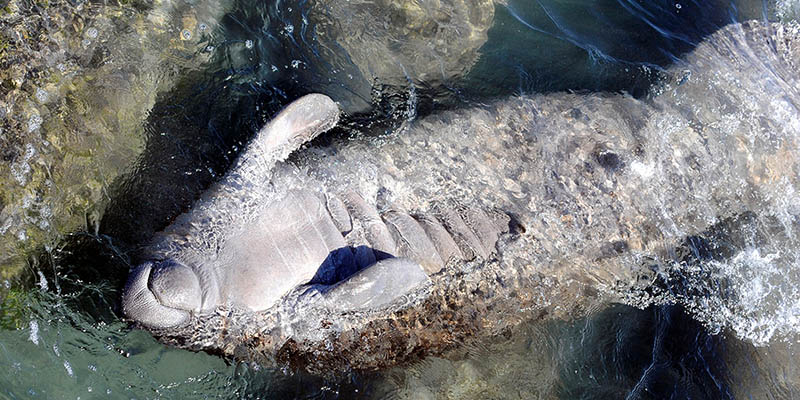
x=209, y=255
x=490, y=215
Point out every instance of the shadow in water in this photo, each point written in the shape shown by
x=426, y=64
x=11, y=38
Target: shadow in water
x=593, y=45
x=656, y=353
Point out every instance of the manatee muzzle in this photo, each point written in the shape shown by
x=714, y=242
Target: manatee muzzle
x=162, y=294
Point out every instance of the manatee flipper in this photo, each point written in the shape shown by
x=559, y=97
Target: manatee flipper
x=297, y=124
x=377, y=285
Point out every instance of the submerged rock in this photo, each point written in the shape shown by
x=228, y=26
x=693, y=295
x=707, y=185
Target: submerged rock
x=78, y=80
x=402, y=43
x=471, y=221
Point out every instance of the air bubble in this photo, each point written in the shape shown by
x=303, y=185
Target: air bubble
x=248, y=43
x=186, y=34
x=91, y=33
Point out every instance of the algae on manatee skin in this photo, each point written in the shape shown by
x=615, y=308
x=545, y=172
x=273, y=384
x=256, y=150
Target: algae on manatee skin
x=78, y=80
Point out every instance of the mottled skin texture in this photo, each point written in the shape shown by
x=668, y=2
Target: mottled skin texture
x=598, y=186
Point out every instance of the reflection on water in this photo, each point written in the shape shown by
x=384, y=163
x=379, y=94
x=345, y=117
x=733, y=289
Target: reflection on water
x=115, y=117
x=620, y=352
x=655, y=353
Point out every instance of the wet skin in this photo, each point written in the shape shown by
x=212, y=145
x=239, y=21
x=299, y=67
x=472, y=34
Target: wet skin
x=369, y=252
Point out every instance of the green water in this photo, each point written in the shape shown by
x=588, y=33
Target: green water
x=59, y=353
x=133, y=96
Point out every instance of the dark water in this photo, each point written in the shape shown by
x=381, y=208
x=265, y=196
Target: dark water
x=61, y=333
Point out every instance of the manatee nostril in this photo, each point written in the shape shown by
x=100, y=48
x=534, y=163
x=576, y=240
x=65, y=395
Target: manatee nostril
x=176, y=286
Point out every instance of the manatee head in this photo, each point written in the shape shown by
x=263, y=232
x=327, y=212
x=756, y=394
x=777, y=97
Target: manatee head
x=219, y=251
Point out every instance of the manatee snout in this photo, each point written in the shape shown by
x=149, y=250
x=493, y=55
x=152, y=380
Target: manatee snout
x=162, y=294
x=176, y=286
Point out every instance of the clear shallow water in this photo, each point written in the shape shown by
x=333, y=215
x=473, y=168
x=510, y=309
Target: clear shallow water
x=238, y=64
x=619, y=352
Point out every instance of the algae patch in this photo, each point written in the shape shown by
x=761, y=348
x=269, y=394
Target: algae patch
x=77, y=80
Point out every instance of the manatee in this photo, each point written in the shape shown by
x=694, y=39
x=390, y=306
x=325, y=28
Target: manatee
x=370, y=251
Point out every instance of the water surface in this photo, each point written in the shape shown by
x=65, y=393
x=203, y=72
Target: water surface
x=155, y=100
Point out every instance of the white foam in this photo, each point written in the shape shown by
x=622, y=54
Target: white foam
x=68, y=368
x=758, y=297
x=646, y=171
x=34, y=335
